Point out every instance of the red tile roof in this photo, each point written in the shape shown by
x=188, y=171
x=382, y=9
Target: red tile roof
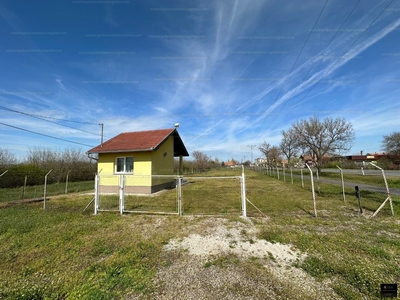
x=140, y=141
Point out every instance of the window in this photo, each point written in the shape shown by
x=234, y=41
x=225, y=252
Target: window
x=124, y=165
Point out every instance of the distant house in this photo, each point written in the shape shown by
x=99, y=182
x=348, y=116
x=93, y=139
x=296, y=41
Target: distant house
x=139, y=156
x=229, y=164
x=362, y=160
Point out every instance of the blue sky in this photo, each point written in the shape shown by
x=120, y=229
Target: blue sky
x=233, y=73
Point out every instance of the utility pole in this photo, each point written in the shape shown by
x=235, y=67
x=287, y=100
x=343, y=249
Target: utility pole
x=251, y=149
x=102, y=131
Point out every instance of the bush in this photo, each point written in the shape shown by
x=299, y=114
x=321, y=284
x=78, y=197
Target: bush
x=15, y=177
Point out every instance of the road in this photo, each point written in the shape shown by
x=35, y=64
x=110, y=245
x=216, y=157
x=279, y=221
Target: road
x=388, y=173
x=350, y=184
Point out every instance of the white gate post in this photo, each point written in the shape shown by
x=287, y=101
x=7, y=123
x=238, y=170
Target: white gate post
x=96, y=193
x=122, y=194
x=180, y=196
x=243, y=188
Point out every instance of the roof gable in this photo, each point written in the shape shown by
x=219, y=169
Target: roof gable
x=138, y=141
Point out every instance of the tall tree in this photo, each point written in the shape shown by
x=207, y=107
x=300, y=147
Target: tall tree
x=288, y=145
x=391, y=143
x=7, y=158
x=324, y=137
x=265, y=149
x=271, y=153
x=201, y=160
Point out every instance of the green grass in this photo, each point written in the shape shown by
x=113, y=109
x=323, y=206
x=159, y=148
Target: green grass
x=37, y=191
x=375, y=180
x=65, y=253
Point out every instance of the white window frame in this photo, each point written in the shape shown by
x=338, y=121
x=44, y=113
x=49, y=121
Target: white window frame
x=124, y=165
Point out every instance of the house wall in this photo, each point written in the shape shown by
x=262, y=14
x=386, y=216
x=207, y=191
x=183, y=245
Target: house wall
x=141, y=169
x=145, y=164
x=163, y=165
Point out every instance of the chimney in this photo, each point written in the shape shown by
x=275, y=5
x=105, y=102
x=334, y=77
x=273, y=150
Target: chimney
x=361, y=152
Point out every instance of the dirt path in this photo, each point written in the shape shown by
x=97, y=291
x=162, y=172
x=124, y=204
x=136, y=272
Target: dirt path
x=225, y=260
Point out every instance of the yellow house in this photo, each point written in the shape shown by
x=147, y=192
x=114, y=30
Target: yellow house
x=144, y=158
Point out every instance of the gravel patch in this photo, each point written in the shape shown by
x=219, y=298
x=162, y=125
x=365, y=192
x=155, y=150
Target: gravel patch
x=225, y=260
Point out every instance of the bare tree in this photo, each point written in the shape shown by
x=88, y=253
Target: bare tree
x=288, y=145
x=275, y=156
x=323, y=137
x=201, y=160
x=271, y=153
x=265, y=149
x=7, y=158
x=391, y=143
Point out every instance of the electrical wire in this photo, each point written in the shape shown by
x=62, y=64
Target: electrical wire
x=351, y=46
x=46, y=135
x=46, y=117
x=43, y=119
x=301, y=51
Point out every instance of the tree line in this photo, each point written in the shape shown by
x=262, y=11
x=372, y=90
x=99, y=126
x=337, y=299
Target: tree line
x=319, y=140
x=71, y=162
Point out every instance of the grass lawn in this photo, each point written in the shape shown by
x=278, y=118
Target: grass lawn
x=37, y=191
x=65, y=253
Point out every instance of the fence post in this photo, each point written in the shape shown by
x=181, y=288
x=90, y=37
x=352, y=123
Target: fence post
x=24, y=188
x=243, y=188
x=66, y=182
x=388, y=193
x=342, y=181
x=302, y=179
x=284, y=175
x=291, y=174
x=277, y=171
x=312, y=190
x=121, y=194
x=180, y=196
x=96, y=193
x=319, y=192
x=45, y=189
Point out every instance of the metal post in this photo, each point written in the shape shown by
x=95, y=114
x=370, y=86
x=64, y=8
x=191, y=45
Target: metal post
x=24, y=189
x=96, y=194
x=66, y=182
x=358, y=198
x=291, y=174
x=388, y=193
x=284, y=175
x=243, y=188
x=121, y=194
x=312, y=190
x=3, y=173
x=342, y=181
x=277, y=171
x=45, y=189
x=180, y=196
x=319, y=191
x=302, y=179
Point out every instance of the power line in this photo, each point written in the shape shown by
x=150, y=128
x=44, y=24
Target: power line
x=45, y=119
x=301, y=51
x=342, y=55
x=42, y=134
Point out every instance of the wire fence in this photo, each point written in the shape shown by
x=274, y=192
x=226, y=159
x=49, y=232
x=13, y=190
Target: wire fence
x=170, y=194
x=367, y=190
x=38, y=189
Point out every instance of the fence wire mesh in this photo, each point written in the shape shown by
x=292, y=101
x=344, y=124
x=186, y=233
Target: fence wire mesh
x=342, y=184
x=169, y=194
